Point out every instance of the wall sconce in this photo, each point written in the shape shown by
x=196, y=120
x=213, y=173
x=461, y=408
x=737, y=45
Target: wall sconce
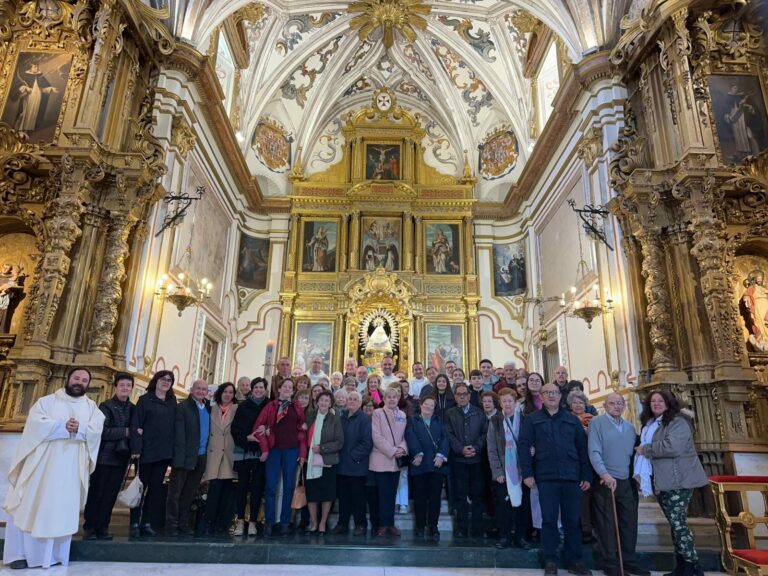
x=588, y=308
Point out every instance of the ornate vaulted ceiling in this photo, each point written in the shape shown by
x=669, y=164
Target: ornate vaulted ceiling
x=457, y=64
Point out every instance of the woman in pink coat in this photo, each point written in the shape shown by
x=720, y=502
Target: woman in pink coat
x=388, y=428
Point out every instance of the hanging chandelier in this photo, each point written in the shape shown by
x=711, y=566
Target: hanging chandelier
x=185, y=292
x=587, y=308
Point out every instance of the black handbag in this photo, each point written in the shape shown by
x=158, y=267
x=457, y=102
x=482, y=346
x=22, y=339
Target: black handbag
x=402, y=461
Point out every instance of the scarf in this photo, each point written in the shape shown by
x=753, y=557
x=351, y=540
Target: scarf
x=511, y=426
x=376, y=397
x=643, y=465
x=315, y=461
x=282, y=411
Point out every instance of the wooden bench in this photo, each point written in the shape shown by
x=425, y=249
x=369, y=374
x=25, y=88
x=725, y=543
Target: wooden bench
x=752, y=560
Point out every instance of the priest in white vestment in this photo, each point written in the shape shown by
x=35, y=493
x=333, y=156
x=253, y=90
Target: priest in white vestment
x=49, y=475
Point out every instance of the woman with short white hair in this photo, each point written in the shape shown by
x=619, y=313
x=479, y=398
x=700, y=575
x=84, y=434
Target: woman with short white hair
x=336, y=380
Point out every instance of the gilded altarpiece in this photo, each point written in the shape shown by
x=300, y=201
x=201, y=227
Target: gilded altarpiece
x=690, y=172
x=387, y=284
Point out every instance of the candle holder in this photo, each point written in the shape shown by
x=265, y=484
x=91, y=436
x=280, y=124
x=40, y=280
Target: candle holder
x=183, y=294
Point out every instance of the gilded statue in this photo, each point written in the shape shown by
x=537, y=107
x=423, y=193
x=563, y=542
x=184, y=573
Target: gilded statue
x=753, y=307
x=11, y=293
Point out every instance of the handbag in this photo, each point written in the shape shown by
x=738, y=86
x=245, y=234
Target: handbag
x=402, y=461
x=299, y=499
x=130, y=497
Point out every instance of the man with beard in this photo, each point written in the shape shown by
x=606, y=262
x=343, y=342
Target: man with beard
x=57, y=453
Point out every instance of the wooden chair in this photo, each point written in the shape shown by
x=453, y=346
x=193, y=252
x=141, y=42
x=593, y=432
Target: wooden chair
x=752, y=560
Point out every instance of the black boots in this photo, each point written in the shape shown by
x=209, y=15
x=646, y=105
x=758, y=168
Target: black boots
x=679, y=567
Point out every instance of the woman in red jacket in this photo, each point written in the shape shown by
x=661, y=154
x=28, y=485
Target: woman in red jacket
x=282, y=436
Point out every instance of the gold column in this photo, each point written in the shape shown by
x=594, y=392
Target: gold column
x=407, y=242
x=285, y=330
x=354, y=240
x=417, y=338
x=469, y=247
x=419, y=245
x=338, y=343
x=472, y=333
x=343, y=244
x=293, y=243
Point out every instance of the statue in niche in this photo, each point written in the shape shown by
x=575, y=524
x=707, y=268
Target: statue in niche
x=753, y=306
x=378, y=341
x=12, y=280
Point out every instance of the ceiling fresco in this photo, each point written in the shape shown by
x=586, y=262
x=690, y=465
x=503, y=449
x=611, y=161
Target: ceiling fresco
x=457, y=64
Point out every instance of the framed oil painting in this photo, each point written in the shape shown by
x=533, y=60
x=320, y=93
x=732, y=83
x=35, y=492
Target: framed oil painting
x=319, y=246
x=445, y=342
x=312, y=339
x=382, y=162
x=380, y=243
x=741, y=120
x=443, y=248
x=509, y=269
x=37, y=93
x=253, y=262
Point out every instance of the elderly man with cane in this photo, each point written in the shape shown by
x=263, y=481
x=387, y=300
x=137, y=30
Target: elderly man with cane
x=611, y=449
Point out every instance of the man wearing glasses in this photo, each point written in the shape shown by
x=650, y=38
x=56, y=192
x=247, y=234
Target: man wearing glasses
x=611, y=444
x=560, y=468
x=467, y=430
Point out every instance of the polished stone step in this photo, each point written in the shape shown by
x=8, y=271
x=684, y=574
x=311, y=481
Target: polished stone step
x=342, y=551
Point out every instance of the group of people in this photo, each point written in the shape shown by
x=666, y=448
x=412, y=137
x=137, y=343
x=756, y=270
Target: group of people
x=518, y=458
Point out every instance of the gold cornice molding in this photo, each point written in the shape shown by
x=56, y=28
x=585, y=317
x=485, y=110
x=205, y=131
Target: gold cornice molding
x=200, y=69
x=579, y=79
x=491, y=211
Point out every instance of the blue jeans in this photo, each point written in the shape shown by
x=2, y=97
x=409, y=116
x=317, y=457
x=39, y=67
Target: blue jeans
x=280, y=459
x=561, y=498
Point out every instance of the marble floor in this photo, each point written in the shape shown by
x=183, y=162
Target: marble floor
x=139, y=569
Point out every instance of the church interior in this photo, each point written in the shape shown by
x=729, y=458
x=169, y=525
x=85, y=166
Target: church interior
x=206, y=186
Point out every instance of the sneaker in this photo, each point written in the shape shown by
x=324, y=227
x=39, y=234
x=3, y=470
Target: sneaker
x=252, y=529
x=239, y=528
x=550, y=569
x=147, y=530
x=579, y=570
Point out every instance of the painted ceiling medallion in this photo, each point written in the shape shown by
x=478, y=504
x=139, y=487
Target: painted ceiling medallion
x=390, y=15
x=384, y=100
x=498, y=154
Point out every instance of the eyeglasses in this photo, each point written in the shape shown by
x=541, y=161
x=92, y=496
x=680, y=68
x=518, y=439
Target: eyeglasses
x=550, y=393
x=614, y=403
x=461, y=394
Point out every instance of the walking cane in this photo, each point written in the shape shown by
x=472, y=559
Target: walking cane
x=618, y=535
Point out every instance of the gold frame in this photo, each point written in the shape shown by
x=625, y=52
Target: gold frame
x=366, y=219
x=457, y=244
x=331, y=344
x=7, y=81
x=427, y=352
x=400, y=143
x=302, y=224
x=495, y=296
x=754, y=71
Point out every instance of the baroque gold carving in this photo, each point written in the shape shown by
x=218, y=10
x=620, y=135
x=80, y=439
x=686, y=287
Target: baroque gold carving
x=110, y=294
x=182, y=136
x=658, y=310
x=403, y=16
x=18, y=158
x=627, y=153
x=590, y=148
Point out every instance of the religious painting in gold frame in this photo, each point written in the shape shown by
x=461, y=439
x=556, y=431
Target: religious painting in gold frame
x=383, y=161
x=442, y=242
x=444, y=342
x=312, y=339
x=318, y=245
x=380, y=243
x=36, y=94
x=741, y=118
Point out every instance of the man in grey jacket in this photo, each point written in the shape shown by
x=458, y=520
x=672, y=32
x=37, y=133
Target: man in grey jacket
x=611, y=448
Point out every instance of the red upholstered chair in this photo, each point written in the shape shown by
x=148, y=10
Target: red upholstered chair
x=753, y=561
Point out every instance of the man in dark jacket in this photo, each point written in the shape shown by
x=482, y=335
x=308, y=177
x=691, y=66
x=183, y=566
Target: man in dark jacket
x=560, y=468
x=193, y=424
x=114, y=453
x=353, y=466
x=467, y=428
